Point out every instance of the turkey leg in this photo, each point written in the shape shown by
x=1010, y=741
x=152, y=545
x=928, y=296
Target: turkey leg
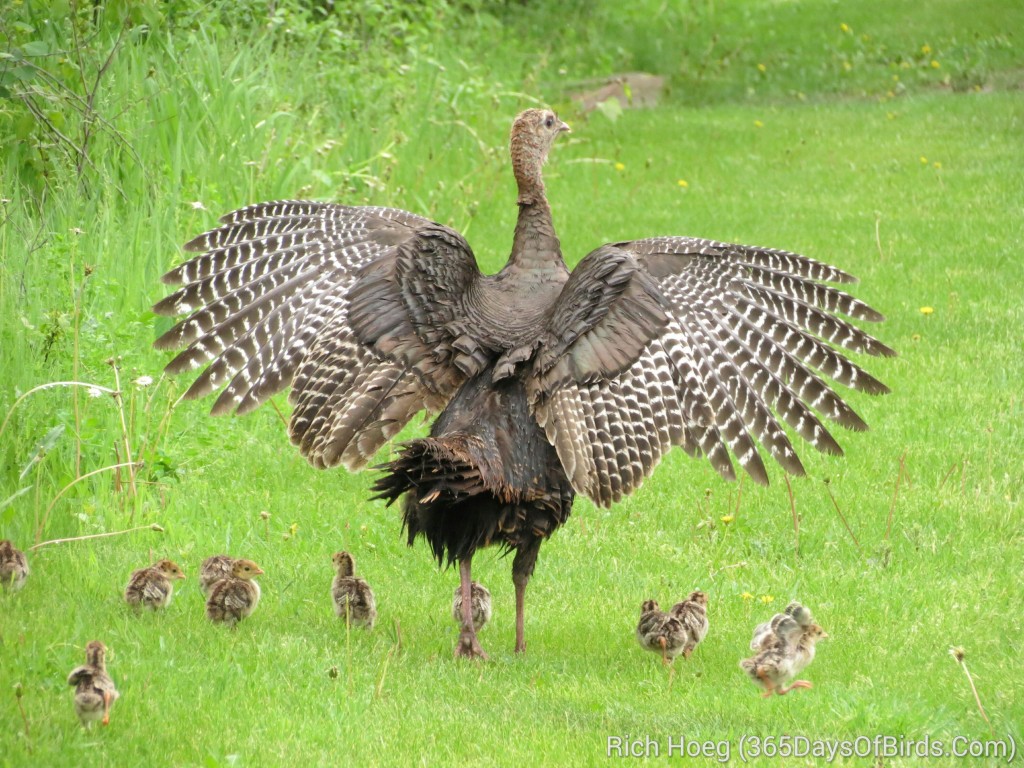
x=468, y=646
x=522, y=569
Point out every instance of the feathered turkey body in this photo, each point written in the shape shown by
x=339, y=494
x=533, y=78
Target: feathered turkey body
x=547, y=384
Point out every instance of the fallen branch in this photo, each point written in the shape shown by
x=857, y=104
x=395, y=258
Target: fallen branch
x=66, y=488
x=842, y=516
x=796, y=520
x=151, y=527
x=958, y=653
x=895, y=494
x=50, y=385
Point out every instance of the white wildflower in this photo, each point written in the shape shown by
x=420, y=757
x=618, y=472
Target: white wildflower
x=143, y=381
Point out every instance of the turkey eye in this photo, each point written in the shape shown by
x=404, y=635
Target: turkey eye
x=549, y=121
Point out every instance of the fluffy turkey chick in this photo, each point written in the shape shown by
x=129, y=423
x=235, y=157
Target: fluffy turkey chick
x=660, y=632
x=13, y=566
x=693, y=614
x=784, y=653
x=213, y=570
x=765, y=632
x=353, y=597
x=236, y=597
x=153, y=587
x=95, y=693
x=480, y=605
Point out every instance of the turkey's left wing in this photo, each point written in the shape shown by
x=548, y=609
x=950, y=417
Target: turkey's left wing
x=747, y=332
x=268, y=303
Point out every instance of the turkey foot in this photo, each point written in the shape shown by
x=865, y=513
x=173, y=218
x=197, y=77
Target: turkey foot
x=469, y=647
x=796, y=684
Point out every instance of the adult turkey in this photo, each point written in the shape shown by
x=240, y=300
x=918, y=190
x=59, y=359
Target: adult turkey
x=548, y=383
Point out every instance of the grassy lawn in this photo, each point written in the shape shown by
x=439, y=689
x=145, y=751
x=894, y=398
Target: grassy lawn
x=918, y=193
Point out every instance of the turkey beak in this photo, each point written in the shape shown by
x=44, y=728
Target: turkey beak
x=564, y=127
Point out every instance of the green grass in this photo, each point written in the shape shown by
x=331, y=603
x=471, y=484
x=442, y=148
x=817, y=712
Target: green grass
x=837, y=175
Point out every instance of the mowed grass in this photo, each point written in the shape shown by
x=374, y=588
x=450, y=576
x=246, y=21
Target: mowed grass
x=918, y=196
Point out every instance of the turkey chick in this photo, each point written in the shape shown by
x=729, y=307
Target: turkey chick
x=232, y=599
x=213, y=570
x=480, y=605
x=353, y=597
x=765, y=632
x=13, y=566
x=693, y=614
x=783, y=655
x=153, y=587
x=660, y=632
x=95, y=693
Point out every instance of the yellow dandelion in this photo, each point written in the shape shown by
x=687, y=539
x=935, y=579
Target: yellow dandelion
x=727, y=518
x=844, y=27
x=758, y=124
x=924, y=160
x=682, y=183
x=937, y=165
x=890, y=115
x=762, y=68
x=895, y=78
x=620, y=166
x=935, y=64
x=926, y=49
x=767, y=599
x=847, y=66
x=747, y=596
x=927, y=310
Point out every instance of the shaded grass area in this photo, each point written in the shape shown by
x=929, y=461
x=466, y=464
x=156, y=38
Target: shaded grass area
x=918, y=195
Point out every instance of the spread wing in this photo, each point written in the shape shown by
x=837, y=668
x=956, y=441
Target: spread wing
x=358, y=307
x=747, y=338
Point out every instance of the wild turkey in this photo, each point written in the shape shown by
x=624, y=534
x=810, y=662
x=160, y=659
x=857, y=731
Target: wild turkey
x=547, y=383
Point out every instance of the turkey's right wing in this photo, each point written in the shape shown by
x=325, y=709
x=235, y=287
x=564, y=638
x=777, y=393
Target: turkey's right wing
x=745, y=330
x=269, y=302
